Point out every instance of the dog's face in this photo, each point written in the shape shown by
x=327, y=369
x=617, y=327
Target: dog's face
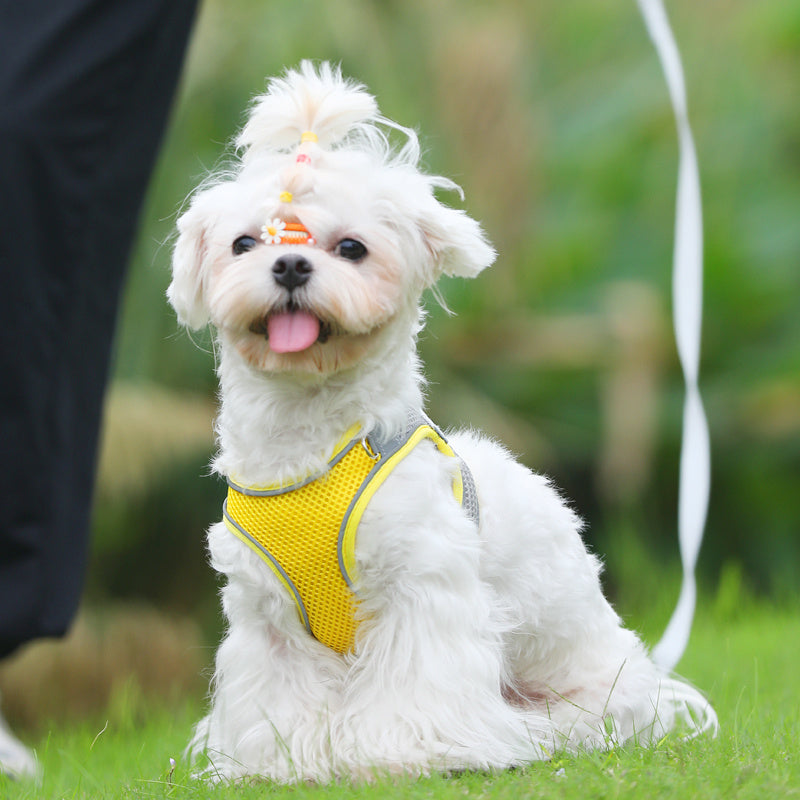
x=378, y=238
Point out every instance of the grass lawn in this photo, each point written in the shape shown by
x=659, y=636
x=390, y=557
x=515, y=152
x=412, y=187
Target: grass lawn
x=747, y=664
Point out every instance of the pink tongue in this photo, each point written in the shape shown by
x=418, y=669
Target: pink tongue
x=292, y=331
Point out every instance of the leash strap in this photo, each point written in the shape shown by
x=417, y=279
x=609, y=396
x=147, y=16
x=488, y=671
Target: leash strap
x=687, y=292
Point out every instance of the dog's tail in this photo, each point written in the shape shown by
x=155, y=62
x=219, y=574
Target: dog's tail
x=313, y=103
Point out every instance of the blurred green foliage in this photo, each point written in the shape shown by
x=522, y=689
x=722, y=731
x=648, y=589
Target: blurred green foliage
x=555, y=119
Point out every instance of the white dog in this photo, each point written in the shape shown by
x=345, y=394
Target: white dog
x=396, y=601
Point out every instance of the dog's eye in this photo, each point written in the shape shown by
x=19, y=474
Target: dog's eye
x=351, y=249
x=243, y=244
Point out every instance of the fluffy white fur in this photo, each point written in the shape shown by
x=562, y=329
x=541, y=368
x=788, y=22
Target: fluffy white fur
x=478, y=647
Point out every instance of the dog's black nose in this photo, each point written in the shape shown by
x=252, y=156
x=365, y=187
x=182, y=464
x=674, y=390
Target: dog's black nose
x=292, y=271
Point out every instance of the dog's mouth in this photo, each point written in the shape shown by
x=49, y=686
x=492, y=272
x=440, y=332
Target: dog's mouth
x=292, y=330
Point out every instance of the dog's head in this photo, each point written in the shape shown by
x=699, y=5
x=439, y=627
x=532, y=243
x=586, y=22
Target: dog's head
x=324, y=239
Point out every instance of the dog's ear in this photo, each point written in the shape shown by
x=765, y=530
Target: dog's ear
x=457, y=242
x=185, y=293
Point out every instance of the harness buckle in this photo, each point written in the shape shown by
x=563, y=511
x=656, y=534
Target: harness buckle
x=369, y=451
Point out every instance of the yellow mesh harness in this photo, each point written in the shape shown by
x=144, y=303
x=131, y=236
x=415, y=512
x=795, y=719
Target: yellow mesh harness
x=306, y=531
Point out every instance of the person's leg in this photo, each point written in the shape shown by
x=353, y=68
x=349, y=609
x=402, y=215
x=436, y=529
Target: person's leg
x=85, y=88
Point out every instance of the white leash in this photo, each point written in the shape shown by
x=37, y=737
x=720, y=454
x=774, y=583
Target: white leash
x=687, y=292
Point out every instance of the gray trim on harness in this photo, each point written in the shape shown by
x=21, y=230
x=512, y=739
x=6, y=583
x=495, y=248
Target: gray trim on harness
x=301, y=483
x=469, y=498
x=386, y=448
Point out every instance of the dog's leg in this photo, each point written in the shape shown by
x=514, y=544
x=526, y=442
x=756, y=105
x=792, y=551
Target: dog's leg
x=423, y=691
x=274, y=686
x=566, y=652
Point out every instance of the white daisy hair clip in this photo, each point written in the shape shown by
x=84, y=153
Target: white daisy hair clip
x=276, y=231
